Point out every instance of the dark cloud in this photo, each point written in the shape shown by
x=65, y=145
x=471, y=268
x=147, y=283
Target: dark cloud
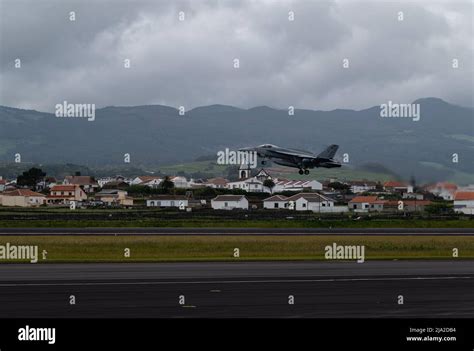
x=190, y=63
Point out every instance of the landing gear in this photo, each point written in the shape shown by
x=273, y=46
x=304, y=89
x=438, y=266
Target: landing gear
x=305, y=171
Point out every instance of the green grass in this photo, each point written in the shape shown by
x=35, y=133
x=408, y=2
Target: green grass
x=213, y=223
x=252, y=248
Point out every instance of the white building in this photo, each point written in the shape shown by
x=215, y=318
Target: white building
x=179, y=182
x=140, y=180
x=276, y=201
x=444, y=190
x=296, y=185
x=249, y=185
x=22, y=198
x=464, y=202
x=362, y=186
x=230, y=202
x=168, y=201
x=312, y=202
x=119, y=179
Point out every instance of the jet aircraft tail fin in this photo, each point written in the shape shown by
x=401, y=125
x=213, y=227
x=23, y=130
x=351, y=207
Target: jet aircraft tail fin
x=329, y=152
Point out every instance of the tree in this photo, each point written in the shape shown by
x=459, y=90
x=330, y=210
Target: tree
x=439, y=207
x=166, y=184
x=31, y=177
x=269, y=183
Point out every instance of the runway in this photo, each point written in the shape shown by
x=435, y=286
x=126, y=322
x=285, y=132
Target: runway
x=430, y=289
x=240, y=231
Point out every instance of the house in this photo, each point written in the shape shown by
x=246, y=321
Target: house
x=366, y=204
x=464, y=202
x=112, y=197
x=64, y=194
x=87, y=183
x=118, y=179
x=46, y=183
x=310, y=202
x=249, y=185
x=276, y=201
x=216, y=183
x=179, y=182
x=444, y=190
x=296, y=185
x=362, y=186
x=230, y=202
x=397, y=187
x=168, y=201
x=144, y=180
x=413, y=196
x=22, y=198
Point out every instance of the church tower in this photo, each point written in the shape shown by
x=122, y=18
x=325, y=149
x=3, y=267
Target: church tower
x=244, y=171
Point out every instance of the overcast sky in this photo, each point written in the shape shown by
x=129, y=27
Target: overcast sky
x=191, y=62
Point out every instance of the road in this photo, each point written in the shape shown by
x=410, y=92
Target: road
x=240, y=231
x=432, y=289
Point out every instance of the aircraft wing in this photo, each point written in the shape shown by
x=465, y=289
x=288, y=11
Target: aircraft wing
x=286, y=154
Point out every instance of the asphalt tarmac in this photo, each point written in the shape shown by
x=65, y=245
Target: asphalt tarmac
x=429, y=289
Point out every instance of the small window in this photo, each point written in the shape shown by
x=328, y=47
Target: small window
x=275, y=205
x=226, y=204
x=304, y=205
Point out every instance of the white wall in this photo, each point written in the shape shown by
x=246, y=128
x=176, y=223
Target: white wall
x=221, y=205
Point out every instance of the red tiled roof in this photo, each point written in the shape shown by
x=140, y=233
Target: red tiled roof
x=447, y=186
x=217, y=181
x=464, y=195
x=22, y=192
x=148, y=178
x=81, y=180
x=365, y=199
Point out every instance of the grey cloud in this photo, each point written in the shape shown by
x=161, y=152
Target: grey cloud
x=190, y=63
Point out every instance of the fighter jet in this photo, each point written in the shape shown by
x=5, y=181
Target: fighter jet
x=304, y=160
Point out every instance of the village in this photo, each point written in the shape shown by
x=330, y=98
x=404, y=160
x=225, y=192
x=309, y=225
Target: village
x=249, y=192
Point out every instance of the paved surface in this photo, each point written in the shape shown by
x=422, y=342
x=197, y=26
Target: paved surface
x=240, y=231
x=434, y=289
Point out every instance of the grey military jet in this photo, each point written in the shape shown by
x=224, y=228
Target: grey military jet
x=304, y=160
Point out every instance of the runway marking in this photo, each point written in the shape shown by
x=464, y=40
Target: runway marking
x=236, y=281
